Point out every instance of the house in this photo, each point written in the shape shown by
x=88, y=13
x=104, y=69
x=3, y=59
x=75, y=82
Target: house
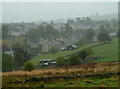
x=71, y=47
x=11, y=52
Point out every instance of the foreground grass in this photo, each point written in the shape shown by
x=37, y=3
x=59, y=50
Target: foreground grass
x=30, y=79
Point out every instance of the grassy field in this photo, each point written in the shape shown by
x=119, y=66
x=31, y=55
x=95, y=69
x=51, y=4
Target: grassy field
x=107, y=52
x=10, y=42
x=59, y=76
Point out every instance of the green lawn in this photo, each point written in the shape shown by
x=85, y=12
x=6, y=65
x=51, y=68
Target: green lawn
x=108, y=52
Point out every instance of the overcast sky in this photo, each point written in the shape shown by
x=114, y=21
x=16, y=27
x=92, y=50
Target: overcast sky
x=30, y=11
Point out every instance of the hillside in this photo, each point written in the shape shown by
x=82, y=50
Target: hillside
x=104, y=17
x=107, y=52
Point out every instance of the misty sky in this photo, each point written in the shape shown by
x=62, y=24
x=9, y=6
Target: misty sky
x=30, y=11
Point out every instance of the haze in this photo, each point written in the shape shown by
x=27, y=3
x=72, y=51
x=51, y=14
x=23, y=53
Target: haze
x=28, y=12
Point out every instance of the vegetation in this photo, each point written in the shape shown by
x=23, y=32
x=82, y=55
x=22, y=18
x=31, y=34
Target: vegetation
x=20, y=55
x=7, y=62
x=74, y=60
x=104, y=36
x=29, y=66
x=83, y=54
x=60, y=61
x=50, y=77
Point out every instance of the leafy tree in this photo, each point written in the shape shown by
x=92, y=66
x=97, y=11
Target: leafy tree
x=68, y=28
x=20, y=55
x=89, y=34
x=5, y=31
x=4, y=47
x=89, y=51
x=29, y=66
x=74, y=60
x=7, y=62
x=103, y=36
x=53, y=50
x=83, y=54
x=60, y=61
x=78, y=20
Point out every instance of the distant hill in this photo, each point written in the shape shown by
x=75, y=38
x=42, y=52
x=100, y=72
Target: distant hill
x=104, y=17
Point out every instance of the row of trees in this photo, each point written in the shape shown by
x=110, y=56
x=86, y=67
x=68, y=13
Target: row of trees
x=17, y=60
x=76, y=58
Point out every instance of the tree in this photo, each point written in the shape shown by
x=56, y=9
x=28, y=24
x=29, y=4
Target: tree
x=89, y=34
x=83, y=54
x=103, y=36
x=74, y=60
x=68, y=28
x=89, y=51
x=21, y=55
x=53, y=50
x=29, y=66
x=5, y=31
x=7, y=62
x=60, y=61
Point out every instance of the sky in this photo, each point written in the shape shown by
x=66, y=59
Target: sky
x=35, y=11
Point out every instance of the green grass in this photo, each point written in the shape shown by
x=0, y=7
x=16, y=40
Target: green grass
x=86, y=82
x=108, y=52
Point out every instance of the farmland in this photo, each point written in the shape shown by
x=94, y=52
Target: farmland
x=84, y=75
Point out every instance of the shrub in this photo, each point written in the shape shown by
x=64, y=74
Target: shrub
x=83, y=54
x=60, y=62
x=7, y=62
x=89, y=51
x=29, y=66
x=74, y=60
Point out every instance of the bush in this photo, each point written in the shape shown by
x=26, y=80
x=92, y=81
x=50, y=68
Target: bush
x=74, y=60
x=89, y=51
x=29, y=66
x=83, y=54
x=7, y=62
x=60, y=62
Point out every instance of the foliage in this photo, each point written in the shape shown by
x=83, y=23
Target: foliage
x=89, y=51
x=60, y=61
x=20, y=55
x=29, y=66
x=5, y=31
x=89, y=34
x=7, y=62
x=83, y=54
x=74, y=60
x=53, y=50
x=103, y=36
x=68, y=28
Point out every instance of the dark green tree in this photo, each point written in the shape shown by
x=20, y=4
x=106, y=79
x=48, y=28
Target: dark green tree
x=60, y=61
x=29, y=66
x=7, y=62
x=83, y=54
x=103, y=36
x=74, y=60
x=89, y=34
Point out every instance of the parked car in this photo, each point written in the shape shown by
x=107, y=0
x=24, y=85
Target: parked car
x=47, y=62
